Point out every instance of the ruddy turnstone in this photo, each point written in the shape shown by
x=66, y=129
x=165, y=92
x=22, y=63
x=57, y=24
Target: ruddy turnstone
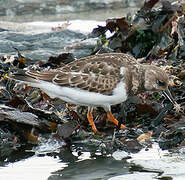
x=98, y=80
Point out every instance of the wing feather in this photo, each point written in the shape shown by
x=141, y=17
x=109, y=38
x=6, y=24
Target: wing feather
x=97, y=73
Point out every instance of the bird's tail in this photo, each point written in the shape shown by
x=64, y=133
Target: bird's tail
x=21, y=75
x=32, y=76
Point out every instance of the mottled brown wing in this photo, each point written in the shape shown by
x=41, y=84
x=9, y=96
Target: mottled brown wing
x=101, y=64
x=98, y=84
x=98, y=73
x=93, y=83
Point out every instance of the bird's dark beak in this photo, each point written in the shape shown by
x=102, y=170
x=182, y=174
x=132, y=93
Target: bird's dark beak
x=168, y=95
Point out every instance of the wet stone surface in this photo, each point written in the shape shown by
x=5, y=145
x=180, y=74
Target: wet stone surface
x=62, y=9
x=41, y=46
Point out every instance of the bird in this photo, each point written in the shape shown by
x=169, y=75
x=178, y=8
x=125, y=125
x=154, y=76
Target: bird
x=99, y=80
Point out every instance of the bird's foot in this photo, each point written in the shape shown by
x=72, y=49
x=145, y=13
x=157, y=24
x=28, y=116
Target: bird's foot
x=115, y=121
x=123, y=126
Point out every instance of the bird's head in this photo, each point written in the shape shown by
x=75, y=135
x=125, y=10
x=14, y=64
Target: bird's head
x=155, y=79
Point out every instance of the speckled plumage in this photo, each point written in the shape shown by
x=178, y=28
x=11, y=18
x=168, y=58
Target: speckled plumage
x=98, y=80
x=98, y=73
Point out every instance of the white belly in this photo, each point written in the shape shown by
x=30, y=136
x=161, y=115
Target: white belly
x=83, y=97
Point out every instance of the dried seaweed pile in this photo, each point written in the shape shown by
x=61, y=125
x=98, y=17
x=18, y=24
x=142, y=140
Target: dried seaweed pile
x=154, y=36
x=150, y=33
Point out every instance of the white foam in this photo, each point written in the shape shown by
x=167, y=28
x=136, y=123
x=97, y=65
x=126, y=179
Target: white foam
x=83, y=26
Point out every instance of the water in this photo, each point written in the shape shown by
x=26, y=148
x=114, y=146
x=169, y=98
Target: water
x=49, y=160
x=52, y=168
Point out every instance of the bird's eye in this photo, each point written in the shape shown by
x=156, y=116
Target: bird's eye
x=160, y=83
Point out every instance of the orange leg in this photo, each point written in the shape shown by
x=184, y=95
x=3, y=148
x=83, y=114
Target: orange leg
x=90, y=119
x=115, y=121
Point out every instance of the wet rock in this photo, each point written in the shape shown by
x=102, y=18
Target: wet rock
x=65, y=130
x=49, y=44
x=131, y=145
x=7, y=113
x=12, y=8
x=120, y=155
